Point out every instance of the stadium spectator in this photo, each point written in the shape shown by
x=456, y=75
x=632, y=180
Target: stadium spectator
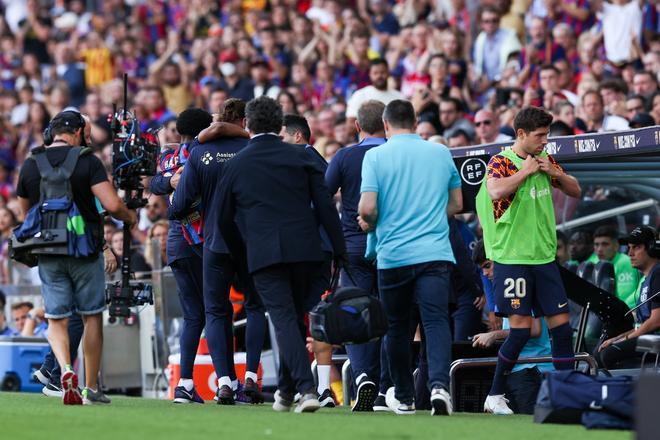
x=378, y=90
x=138, y=262
x=425, y=129
x=492, y=48
x=613, y=92
x=28, y=320
x=644, y=83
x=622, y=28
x=452, y=118
x=488, y=128
x=606, y=248
x=459, y=138
x=564, y=112
x=634, y=104
x=157, y=236
x=595, y=117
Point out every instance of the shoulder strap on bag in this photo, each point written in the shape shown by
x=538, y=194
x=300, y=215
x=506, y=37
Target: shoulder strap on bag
x=70, y=162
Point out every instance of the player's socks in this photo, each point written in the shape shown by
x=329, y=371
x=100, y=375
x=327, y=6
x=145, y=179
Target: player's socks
x=323, y=372
x=563, y=356
x=507, y=356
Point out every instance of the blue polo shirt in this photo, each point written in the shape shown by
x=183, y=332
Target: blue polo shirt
x=413, y=178
x=345, y=172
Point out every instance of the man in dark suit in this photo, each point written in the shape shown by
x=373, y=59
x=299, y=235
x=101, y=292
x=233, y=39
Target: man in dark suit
x=268, y=189
x=197, y=186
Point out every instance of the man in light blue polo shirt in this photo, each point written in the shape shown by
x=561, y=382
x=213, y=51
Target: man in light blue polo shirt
x=409, y=188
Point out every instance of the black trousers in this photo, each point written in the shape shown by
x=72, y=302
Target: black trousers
x=616, y=353
x=285, y=289
x=522, y=388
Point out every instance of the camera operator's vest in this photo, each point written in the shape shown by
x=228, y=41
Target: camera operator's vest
x=525, y=233
x=54, y=226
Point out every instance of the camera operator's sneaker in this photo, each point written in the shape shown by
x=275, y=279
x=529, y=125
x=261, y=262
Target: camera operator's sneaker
x=326, y=400
x=309, y=402
x=52, y=390
x=251, y=390
x=283, y=402
x=182, y=395
x=440, y=402
x=497, y=405
x=380, y=405
x=91, y=397
x=70, y=393
x=42, y=375
x=225, y=395
x=365, y=395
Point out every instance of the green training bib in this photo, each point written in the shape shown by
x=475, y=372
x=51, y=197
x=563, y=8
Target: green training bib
x=525, y=233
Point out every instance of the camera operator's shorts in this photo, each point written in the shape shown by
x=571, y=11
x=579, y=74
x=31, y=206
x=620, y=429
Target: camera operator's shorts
x=529, y=289
x=69, y=284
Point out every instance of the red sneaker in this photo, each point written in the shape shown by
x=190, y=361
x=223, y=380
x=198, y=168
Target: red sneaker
x=70, y=393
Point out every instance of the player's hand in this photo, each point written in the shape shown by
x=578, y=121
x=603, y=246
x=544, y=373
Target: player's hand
x=366, y=227
x=479, y=302
x=530, y=165
x=110, y=261
x=547, y=167
x=483, y=340
x=494, y=322
x=174, y=180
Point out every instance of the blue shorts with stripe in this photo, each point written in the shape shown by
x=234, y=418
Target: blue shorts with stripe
x=529, y=290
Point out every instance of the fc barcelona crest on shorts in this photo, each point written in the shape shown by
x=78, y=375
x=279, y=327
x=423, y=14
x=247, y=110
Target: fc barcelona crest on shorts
x=515, y=303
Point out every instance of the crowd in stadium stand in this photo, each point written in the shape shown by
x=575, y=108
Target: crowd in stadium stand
x=467, y=66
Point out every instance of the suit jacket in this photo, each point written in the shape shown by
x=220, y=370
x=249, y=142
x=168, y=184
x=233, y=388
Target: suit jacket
x=200, y=179
x=269, y=188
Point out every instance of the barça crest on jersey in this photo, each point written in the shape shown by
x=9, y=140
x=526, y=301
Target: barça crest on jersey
x=515, y=303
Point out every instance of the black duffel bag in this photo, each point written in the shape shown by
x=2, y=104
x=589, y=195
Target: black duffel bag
x=348, y=315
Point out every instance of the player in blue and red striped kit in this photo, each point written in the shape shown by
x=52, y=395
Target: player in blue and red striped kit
x=184, y=253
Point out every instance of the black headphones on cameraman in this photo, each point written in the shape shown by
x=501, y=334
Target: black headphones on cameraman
x=76, y=121
x=653, y=246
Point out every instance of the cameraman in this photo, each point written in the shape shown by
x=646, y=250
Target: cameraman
x=67, y=280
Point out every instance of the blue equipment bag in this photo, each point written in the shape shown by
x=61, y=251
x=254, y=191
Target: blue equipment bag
x=54, y=226
x=566, y=395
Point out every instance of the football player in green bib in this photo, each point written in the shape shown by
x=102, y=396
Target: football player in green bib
x=516, y=212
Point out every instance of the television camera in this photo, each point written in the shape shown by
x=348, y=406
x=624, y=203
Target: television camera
x=134, y=156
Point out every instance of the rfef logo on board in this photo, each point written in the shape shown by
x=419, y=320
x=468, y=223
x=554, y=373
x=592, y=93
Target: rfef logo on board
x=473, y=171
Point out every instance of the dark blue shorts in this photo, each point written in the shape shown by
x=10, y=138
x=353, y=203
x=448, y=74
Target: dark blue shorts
x=529, y=290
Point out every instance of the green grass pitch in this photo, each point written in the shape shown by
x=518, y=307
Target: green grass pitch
x=33, y=416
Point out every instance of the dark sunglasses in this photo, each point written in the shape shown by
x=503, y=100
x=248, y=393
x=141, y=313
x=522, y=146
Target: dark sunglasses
x=486, y=122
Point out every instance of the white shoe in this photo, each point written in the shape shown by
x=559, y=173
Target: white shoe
x=497, y=405
x=281, y=403
x=308, y=403
x=391, y=401
x=440, y=402
x=405, y=410
x=397, y=407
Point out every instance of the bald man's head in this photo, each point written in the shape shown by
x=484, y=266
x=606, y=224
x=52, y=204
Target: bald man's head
x=487, y=126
